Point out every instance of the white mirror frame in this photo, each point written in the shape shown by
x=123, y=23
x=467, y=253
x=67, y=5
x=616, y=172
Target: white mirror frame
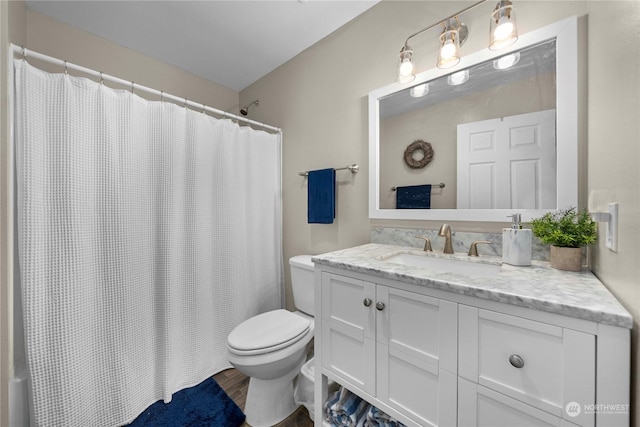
x=566, y=34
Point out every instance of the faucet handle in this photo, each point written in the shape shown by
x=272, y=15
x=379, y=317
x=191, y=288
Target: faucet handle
x=473, y=249
x=427, y=243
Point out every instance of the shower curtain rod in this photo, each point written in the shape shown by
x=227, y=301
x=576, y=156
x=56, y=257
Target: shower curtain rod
x=15, y=49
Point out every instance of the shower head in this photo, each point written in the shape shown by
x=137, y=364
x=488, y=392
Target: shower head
x=244, y=111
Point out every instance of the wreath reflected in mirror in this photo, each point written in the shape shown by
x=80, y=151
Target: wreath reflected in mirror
x=418, y=154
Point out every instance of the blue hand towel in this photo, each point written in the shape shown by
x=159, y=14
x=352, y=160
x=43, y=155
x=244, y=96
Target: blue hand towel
x=376, y=418
x=413, y=197
x=345, y=409
x=321, y=196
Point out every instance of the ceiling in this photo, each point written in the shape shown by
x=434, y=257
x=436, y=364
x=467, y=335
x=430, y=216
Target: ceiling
x=231, y=43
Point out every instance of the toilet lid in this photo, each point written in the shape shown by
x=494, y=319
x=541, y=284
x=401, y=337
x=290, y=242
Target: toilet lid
x=268, y=330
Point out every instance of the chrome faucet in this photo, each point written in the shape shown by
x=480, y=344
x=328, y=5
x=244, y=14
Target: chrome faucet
x=445, y=231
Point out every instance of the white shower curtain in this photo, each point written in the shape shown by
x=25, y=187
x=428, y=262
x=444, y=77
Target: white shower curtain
x=147, y=231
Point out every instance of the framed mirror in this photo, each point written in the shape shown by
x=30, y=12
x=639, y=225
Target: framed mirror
x=504, y=139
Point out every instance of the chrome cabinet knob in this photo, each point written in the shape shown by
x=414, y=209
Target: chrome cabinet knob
x=380, y=306
x=367, y=302
x=516, y=361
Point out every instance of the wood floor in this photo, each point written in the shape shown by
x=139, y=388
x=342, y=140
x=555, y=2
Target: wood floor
x=235, y=384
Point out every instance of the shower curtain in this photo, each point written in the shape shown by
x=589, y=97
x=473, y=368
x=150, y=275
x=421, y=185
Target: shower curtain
x=147, y=232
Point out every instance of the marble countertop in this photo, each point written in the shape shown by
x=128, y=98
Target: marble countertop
x=538, y=286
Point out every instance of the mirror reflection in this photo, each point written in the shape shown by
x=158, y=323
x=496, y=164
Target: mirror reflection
x=489, y=134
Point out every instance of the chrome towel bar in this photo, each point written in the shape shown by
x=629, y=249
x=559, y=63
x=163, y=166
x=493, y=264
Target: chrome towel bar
x=354, y=168
x=441, y=185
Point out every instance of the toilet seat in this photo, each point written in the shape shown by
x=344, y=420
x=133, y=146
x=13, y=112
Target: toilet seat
x=267, y=332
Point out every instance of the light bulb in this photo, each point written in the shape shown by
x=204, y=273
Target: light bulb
x=405, y=65
x=503, y=31
x=448, y=50
x=458, y=78
x=506, y=61
x=419, y=91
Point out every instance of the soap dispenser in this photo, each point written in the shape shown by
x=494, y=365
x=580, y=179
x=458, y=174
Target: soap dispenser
x=516, y=243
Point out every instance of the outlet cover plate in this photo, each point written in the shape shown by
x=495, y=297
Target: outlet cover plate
x=612, y=227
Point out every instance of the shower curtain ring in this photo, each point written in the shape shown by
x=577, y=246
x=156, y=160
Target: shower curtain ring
x=161, y=95
x=66, y=70
x=132, y=86
x=204, y=108
x=185, y=102
x=101, y=79
x=24, y=52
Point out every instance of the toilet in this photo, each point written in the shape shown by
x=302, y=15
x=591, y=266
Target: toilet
x=271, y=348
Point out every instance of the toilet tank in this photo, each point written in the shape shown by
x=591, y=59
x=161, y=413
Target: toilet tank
x=302, y=282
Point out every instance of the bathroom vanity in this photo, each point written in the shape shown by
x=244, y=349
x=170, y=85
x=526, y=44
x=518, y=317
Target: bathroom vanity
x=446, y=340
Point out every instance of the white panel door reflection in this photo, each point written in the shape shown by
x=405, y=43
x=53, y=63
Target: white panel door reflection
x=508, y=163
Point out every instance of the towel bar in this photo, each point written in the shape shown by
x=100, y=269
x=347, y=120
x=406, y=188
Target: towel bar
x=441, y=185
x=354, y=168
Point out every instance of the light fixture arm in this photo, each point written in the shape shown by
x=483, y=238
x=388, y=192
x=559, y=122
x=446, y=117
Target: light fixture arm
x=444, y=20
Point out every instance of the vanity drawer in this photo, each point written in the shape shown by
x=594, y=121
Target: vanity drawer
x=480, y=406
x=540, y=364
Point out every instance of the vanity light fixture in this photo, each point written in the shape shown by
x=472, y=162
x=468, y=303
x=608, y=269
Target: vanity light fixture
x=458, y=78
x=454, y=34
x=506, y=61
x=503, y=29
x=405, y=65
x=503, y=33
x=419, y=91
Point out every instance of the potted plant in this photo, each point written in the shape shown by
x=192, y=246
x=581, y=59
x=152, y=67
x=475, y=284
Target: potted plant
x=567, y=231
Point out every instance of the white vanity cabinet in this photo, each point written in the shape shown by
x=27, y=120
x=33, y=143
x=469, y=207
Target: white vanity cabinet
x=447, y=351
x=349, y=330
x=391, y=346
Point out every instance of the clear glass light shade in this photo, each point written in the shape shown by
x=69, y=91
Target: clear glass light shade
x=405, y=65
x=449, y=53
x=458, y=78
x=506, y=61
x=419, y=90
x=504, y=31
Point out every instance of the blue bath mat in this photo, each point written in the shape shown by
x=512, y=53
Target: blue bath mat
x=204, y=405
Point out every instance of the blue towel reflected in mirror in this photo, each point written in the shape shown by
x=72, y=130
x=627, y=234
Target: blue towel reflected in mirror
x=413, y=197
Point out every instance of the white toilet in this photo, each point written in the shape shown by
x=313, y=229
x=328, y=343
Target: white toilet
x=271, y=348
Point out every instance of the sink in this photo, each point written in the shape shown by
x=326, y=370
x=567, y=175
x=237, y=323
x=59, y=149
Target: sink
x=445, y=265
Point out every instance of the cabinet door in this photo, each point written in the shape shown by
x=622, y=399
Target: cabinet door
x=348, y=330
x=417, y=355
x=480, y=406
x=540, y=364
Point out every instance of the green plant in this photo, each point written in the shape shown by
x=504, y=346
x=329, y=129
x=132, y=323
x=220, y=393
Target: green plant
x=566, y=228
